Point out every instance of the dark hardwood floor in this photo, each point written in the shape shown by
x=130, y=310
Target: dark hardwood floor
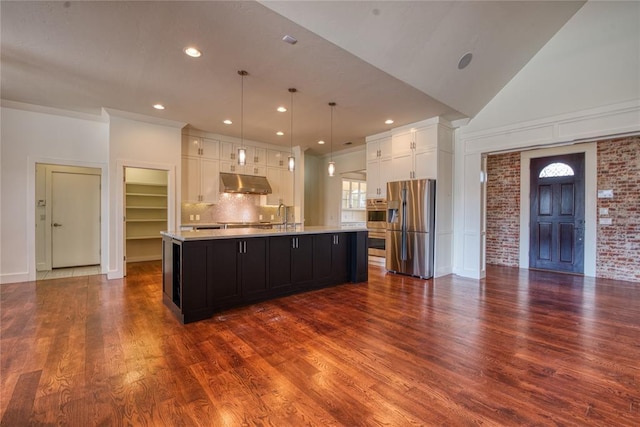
x=519, y=348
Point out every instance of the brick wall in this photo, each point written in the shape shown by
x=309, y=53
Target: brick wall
x=503, y=209
x=618, y=244
x=618, y=247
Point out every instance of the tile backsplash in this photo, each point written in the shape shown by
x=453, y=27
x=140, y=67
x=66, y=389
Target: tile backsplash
x=232, y=208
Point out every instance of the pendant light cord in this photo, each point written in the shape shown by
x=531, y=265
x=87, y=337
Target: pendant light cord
x=292, y=91
x=242, y=74
x=332, y=104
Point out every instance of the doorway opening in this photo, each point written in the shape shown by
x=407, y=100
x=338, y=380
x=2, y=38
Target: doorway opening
x=146, y=214
x=557, y=213
x=68, y=221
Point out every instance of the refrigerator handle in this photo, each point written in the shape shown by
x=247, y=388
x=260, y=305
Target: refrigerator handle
x=403, y=243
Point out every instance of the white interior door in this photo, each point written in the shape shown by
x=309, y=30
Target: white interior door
x=75, y=221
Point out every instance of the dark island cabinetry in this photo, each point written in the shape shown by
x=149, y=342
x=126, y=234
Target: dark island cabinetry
x=201, y=277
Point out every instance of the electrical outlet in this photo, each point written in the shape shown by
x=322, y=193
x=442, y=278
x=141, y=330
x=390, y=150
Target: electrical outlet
x=272, y=217
x=197, y=217
x=190, y=217
x=260, y=217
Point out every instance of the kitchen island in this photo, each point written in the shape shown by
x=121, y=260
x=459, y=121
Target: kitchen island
x=206, y=271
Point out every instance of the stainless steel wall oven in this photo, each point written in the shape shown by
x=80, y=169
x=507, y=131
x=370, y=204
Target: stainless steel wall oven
x=377, y=225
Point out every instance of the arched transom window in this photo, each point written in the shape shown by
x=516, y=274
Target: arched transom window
x=556, y=169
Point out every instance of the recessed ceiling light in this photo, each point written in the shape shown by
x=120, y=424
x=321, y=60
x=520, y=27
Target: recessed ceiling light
x=279, y=133
x=465, y=60
x=227, y=122
x=158, y=106
x=321, y=142
x=282, y=109
x=192, y=52
x=388, y=122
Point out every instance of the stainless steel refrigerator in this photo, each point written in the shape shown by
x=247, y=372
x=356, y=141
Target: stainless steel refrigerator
x=410, y=227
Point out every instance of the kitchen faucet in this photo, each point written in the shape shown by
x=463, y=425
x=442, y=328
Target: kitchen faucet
x=284, y=221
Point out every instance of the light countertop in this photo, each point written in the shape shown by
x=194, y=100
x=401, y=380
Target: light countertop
x=253, y=232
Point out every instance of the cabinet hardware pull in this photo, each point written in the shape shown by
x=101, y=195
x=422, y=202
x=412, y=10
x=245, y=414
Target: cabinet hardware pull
x=293, y=243
x=240, y=247
x=244, y=246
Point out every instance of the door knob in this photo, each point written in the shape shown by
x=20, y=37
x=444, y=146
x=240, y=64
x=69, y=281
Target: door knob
x=55, y=224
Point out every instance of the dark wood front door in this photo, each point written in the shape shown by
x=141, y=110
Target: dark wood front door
x=557, y=213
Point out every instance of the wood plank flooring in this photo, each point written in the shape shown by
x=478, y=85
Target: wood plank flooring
x=518, y=348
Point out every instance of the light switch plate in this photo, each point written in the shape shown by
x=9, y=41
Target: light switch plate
x=604, y=211
x=605, y=194
x=606, y=221
x=190, y=217
x=197, y=217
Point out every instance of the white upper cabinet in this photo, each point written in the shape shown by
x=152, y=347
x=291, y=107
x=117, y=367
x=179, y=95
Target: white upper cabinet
x=425, y=157
x=379, y=149
x=378, y=174
x=230, y=167
x=197, y=146
x=203, y=159
x=210, y=180
x=281, y=181
x=191, y=145
x=426, y=139
x=276, y=158
x=402, y=144
x=200, y=179
x=258, y=170
x=414, y=154
x=378, y=167
x=259, y=156
x=226, y=151
x=190, y=179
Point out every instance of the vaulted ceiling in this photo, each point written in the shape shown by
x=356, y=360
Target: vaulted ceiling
x=377, y=60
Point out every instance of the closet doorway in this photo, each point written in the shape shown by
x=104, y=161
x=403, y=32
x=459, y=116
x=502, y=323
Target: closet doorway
x=146, y=213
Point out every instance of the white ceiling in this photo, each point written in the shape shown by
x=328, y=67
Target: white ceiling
x=376, y=60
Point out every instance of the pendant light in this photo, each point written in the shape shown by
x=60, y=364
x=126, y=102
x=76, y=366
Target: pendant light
x=242, y=152
x=332, y=165
x=291, y=161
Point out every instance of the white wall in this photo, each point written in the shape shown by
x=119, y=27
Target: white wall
x=31, y=135
x=350, y=161
x=593, y=61
x=313, y=195
x=582, y=85
x=149, y=144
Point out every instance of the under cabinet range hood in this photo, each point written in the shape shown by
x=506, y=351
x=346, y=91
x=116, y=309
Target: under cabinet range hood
x=246, y=184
